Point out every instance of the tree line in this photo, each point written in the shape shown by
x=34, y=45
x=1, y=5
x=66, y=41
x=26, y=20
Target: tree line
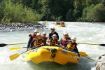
x=30, y=11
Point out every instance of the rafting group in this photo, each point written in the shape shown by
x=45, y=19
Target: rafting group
x=41, y=48
x=37, y=40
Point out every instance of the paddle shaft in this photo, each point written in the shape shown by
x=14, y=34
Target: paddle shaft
x=16, y=55
x=27, y=50
x=90, y=58
x=3, y=44
x=93, y=44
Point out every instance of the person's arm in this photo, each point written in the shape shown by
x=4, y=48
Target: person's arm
x=50, y=36
x=61, y=45
x=60, y=42
x=77, y=49
x=29, y=42
x=48, y=42
x=57, y=35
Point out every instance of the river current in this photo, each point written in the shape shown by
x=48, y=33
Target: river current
x=84, y=32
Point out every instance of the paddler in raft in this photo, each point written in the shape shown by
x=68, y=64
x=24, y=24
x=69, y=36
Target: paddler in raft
x=69, y=44
x=44, y=38
x=54, y=40
x=38, y=41
x=52, y=33
x=65, y=40
x=72, y=46
x=31, y=39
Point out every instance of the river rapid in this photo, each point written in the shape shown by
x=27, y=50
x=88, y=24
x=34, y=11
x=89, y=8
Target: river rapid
x=84, y=32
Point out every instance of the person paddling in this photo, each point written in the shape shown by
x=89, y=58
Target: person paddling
x=72, y=46
x=31, y=39
x=38, y=42
x=54, y=40
x=65, y=40
x=44, y=38
x=52, y=33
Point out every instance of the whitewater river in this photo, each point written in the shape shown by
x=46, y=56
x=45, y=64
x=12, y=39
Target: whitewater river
x=84, y=32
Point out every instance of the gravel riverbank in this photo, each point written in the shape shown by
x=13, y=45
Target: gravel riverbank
x=19, y=26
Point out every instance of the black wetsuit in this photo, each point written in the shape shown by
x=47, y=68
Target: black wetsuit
x=51, y=34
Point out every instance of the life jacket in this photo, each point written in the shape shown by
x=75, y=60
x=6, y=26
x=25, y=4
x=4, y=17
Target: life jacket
x=53, y=42
x=71, y=46
x=64, y=42
x=33, y=36
x=31, y=40
x=38, y=42
x=44, y=40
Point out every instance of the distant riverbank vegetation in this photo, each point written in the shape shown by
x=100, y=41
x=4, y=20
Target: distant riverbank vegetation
x=30, y=11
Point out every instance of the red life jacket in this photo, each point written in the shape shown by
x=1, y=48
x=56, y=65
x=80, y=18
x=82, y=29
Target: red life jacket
x=64, y=42
x=54, y=42
x=38, y=42
x=32, y=37
x=44, y=39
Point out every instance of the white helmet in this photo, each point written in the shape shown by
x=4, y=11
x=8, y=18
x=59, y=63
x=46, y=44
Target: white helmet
x=54, y=35
x=74, y=38
x=44, y=33
x=65, y=33
x=52, y=28
x=38, y=34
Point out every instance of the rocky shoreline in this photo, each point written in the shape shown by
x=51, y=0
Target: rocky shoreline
x=19, y=27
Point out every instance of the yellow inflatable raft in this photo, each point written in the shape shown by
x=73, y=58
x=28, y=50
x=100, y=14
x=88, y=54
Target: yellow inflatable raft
x=52, y=54
x=60, y=24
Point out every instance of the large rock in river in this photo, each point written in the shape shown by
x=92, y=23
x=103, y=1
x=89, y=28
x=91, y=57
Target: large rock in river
x=100, y=65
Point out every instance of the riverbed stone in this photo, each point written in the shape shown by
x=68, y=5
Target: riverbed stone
x=100, y=65
x=20, y=26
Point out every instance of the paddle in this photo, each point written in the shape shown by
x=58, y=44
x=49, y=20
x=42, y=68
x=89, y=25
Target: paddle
x=83, y=54
x=16, y=48
x=3, y=44
x=80, y=54
x=16, y=55
x=93, y=44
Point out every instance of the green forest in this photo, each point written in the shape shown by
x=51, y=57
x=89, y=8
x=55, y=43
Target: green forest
x=30, y=11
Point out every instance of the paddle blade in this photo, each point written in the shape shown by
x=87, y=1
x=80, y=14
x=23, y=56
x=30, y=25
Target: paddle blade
x=2, y=45
x=14, y=56
x=83, y=54
x=27, y=59
x=102, y=44
x=15, y=48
